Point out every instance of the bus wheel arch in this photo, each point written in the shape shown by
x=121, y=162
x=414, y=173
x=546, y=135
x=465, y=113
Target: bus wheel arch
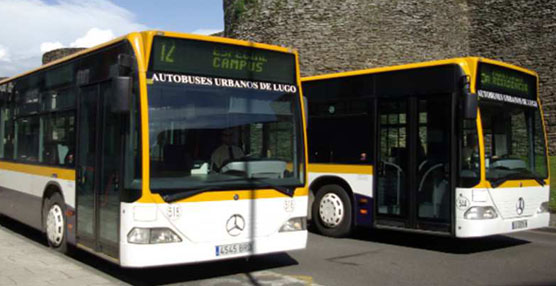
x=49, y=190
x=54, y=220
x=331, y=206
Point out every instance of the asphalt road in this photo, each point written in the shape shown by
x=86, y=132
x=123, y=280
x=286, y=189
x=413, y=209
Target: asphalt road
x=367, y=258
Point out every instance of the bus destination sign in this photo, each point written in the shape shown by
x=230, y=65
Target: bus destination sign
x=221, y=60
x=504, y=84
x=500, y=79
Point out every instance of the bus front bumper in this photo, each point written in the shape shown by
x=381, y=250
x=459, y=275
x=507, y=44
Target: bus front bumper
x=149, y=255
x=486, y=227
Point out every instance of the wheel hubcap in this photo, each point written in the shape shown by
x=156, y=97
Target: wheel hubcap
x=331, y=210
x=55, y=225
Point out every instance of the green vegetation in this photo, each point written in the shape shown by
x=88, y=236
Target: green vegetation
x=552, y=204
x=241, y=6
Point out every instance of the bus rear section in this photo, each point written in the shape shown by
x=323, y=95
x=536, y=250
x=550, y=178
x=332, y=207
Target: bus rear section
x=414, y=149
x=226, y=155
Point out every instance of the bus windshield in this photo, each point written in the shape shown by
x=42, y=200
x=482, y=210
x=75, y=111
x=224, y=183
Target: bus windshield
x=514, y=142
x=207, y=137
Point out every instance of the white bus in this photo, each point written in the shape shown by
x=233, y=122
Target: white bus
x=454, y=147
x=159, y=148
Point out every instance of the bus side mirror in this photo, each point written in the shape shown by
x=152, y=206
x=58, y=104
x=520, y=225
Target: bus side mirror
x=470, y=104
x=470, y=101
x=120, y=97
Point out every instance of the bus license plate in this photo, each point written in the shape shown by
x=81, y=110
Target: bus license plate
x=235, y=248
x=519, y=224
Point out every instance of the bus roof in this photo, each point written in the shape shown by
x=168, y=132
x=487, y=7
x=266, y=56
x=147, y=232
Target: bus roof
x=147, y=37
x=459, y=61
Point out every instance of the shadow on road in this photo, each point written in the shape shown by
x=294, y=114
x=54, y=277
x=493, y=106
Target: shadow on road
x=438, y=243
x=162, y=275
x=190, y=272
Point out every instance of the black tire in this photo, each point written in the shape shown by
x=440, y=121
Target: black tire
x=341, y=227
x=57, y=202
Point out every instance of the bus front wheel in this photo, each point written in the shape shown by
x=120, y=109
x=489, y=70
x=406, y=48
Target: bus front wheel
x=55, y=222
x=332, y=211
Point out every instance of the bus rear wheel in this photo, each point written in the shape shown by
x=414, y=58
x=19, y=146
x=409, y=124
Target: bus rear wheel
x=55, y=222
x=332, y=211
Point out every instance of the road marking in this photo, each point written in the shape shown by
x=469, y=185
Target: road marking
x=307, y=279
x=267, y=278
x=338, y=259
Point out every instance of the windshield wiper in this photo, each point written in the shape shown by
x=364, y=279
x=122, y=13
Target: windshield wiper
x=189, y=193
x=497, y=182
x=539, y=180
x=286, y=190
x=176, y=196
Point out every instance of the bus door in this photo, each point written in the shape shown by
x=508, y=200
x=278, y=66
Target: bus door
x=99, y=161
x=414, y=163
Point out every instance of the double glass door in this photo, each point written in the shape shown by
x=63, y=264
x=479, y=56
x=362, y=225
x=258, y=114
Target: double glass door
x=99, y=161
x=414, y=164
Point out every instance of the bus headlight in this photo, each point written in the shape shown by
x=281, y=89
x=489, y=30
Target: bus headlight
x=543, y=208
x=140, y=235
x=480, y=213
x=294, y=224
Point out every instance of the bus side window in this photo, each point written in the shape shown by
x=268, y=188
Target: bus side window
x=58, y=139
x=27, y=138
x=340, y=120
x=6, y=121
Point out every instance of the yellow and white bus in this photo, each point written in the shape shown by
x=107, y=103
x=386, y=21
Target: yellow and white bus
x=159, y=148
x=454, y=147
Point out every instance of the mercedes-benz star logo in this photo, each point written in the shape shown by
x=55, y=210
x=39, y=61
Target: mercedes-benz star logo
x=520, y=206
x=235, y=225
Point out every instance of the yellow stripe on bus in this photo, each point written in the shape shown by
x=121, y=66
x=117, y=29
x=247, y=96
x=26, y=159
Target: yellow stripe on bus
x=341, y=169
x=459, y=61
x=64, y=174
x=229, y=195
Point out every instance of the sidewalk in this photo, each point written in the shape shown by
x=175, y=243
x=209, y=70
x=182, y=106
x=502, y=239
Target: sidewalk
x=25, y=260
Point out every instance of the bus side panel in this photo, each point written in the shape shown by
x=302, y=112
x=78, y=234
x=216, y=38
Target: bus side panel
x=21, y=206
x=21, y=195
x=363, y=210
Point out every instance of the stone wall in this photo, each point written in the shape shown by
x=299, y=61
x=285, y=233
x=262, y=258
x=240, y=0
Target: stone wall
x=58, y=54
x=333, y=35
